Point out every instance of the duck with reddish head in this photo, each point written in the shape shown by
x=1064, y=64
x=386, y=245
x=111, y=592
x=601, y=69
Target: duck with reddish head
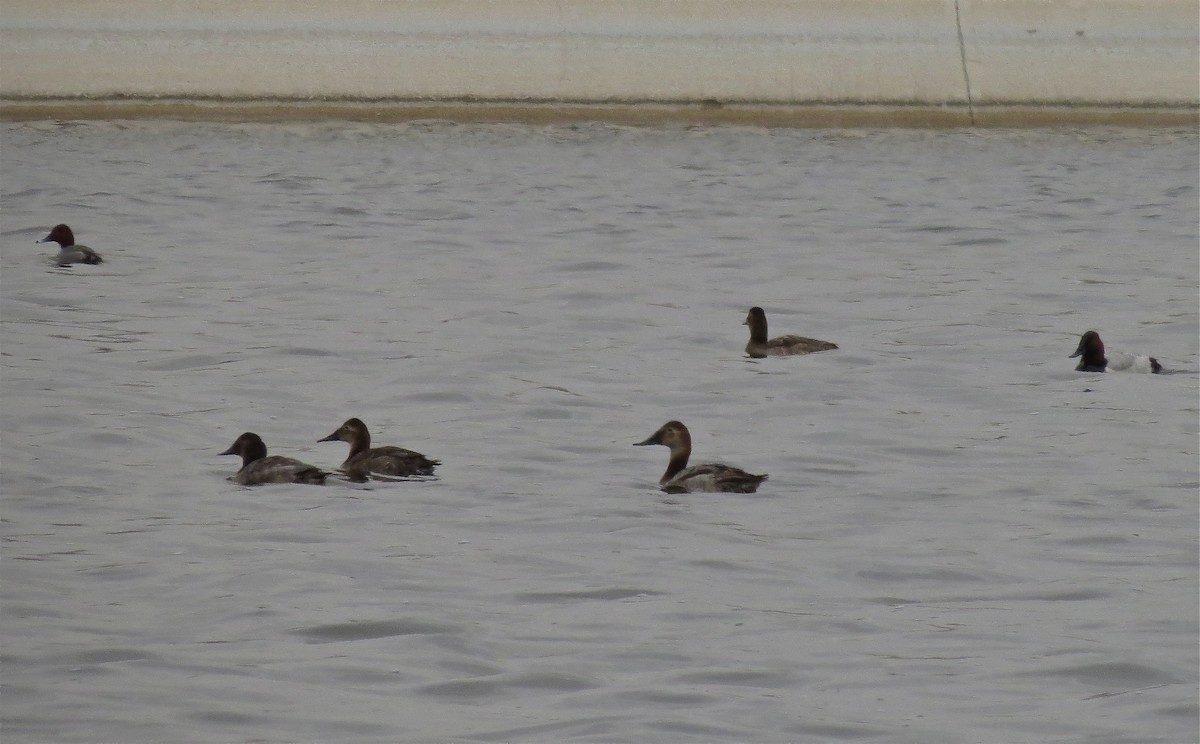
x=679, y=478
x=364, y=458
x=1093, y=358
x=68, y=251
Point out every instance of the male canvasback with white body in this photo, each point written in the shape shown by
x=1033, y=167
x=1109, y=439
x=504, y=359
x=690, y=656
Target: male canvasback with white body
x=760, y=346
x=1093, y=358
x=679, y=478
x=257, y=468
x=364, y=458
x=68, y=251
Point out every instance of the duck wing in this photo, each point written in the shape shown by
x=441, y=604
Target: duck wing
x=798, y=345
x=713, y=477
x=391, y=461
x=279, y=469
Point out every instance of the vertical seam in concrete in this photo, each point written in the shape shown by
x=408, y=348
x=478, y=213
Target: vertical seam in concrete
x=563, y=61
x=962, y=53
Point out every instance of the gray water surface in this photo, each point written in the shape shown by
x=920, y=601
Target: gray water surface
x=962, y=539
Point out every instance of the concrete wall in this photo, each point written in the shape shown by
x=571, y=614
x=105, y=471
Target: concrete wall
x=1140, y=53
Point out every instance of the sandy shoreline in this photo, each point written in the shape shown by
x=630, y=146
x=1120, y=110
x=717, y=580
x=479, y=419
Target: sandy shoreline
x=632, y=114
x=804, y=55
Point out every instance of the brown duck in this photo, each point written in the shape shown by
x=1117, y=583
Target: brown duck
x=258, y=468
x=364, y=458
x=760, y=346
x=679, y=478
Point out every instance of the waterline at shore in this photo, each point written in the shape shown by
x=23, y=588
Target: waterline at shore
x=631, y=114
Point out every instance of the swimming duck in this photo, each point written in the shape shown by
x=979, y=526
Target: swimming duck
x=364, y=458
x=679, y=478
x=1091, y=349
x=257, y=468
x=68, y=252
x=760, y=347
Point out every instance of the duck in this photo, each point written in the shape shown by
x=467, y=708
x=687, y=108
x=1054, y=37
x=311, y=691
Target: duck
x=759, y=347
x=1093, y=359
x=257, y=468
x=712, y=477
x=68, y=252
x=364, y=458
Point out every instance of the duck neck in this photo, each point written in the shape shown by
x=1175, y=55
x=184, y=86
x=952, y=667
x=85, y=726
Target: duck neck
x=1093, y=356
x=678, y=461
x=254, y=452
x=361, y=443
x=758, y=331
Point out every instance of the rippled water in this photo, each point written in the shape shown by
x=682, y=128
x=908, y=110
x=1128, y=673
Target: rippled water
x=962, y=539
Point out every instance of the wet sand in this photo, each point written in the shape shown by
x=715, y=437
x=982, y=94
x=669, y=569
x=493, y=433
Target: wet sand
x=632, y=114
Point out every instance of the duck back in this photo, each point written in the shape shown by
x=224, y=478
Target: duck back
x=713, y=478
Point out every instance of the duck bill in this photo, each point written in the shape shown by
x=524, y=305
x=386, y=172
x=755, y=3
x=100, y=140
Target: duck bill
x=229, y=451
x=653, y=439
x=331, y=438
x=1078, y=352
